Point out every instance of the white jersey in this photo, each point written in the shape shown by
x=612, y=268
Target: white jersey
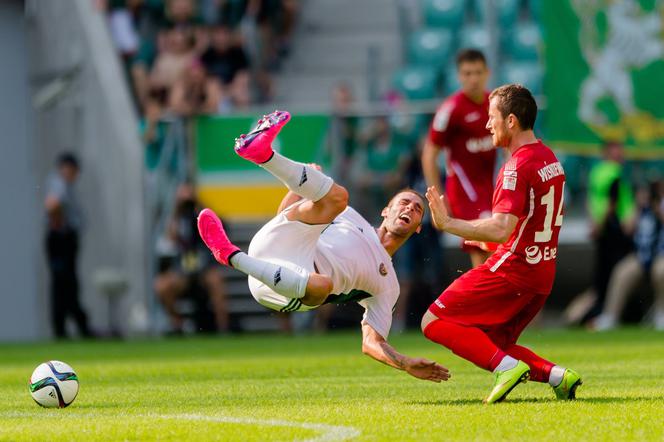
x=350, y=252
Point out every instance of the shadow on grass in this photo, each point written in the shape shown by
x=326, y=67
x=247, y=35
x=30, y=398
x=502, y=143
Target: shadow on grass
x=589, y=400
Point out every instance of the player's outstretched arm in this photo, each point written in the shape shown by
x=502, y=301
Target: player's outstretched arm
x=496, y=229
x=374, y=345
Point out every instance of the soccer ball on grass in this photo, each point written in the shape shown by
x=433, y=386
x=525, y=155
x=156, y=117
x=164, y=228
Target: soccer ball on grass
x=53, y=384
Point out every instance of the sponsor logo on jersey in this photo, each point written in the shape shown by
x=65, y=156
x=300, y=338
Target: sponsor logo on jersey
x=475, y=145
x=473, y=116
x=277, y=276
x=550, y=171
x=439, y=304
x=534, y=254
x=382, y=269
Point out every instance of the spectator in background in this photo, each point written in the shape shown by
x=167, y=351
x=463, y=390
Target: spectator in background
x=612, y=209
x=181, y=13
x=176, y=54
x=133, y=25
x=193, y=267
x=274, y=21
x=62, y=243
x=195, y=92
x=345, y=128
x=226, y=60
x=379, y=168
x=646, y=260
x=459, y=128
x=152, y=130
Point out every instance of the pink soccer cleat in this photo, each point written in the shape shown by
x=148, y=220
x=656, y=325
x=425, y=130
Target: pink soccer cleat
x=212, y=232
x=256, y=146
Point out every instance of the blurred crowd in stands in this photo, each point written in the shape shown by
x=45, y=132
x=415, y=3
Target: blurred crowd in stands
x=188, y=57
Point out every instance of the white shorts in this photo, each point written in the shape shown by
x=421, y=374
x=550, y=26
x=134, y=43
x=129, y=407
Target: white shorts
x=291, y=244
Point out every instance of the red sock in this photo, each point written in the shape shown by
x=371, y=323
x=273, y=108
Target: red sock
x=539, y=368
x=470, y=343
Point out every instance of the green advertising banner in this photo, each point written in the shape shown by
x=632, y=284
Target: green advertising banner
x=237, y=189
x=301, y=139
x=604, y=73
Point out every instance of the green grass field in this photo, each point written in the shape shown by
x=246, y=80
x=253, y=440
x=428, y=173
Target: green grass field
x=257, y=388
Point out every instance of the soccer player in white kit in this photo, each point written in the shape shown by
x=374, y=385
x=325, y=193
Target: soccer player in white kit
x=319, y=250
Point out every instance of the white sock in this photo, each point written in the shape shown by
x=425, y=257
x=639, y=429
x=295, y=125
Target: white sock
x=507, y=363
x=302, y=179
x=286, y=282
x=556, y=375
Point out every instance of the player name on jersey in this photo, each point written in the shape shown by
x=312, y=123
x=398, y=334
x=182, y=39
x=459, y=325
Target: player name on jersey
x=550, y=171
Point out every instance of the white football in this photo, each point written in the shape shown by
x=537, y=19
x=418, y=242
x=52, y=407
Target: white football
x=54, y=384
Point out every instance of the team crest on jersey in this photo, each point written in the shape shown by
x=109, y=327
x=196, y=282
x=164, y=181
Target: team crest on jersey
x=382, y=269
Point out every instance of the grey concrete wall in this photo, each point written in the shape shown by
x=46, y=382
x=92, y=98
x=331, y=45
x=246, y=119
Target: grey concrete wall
x=91, y=116
x=22, y=308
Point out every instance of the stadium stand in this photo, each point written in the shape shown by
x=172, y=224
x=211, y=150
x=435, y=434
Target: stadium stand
x=444, y=13
x=507, y=11
x=416, y=82
x=430, y=47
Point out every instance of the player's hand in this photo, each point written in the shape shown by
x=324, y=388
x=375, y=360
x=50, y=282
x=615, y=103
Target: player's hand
x=485, y=246
x=428, y=370
x=439, y=213
x=315, y=166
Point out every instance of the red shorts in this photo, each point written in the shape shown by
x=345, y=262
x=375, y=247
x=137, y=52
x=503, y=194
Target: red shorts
x=482, y=299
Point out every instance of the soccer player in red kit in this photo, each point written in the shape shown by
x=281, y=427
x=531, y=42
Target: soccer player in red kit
x=481, y=315
x=459, y=127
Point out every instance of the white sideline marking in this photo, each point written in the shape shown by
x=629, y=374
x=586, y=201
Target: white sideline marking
x=331, y=433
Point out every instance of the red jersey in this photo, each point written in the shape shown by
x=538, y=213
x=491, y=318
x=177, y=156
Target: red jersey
x=530, y=186
x=459, y=126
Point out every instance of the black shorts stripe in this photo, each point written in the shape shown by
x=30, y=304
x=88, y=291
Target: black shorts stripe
x=290, y=304
x=295, y=305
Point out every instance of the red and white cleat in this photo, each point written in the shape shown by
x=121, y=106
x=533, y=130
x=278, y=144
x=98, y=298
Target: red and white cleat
x=256, y=146
x=212, y=232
